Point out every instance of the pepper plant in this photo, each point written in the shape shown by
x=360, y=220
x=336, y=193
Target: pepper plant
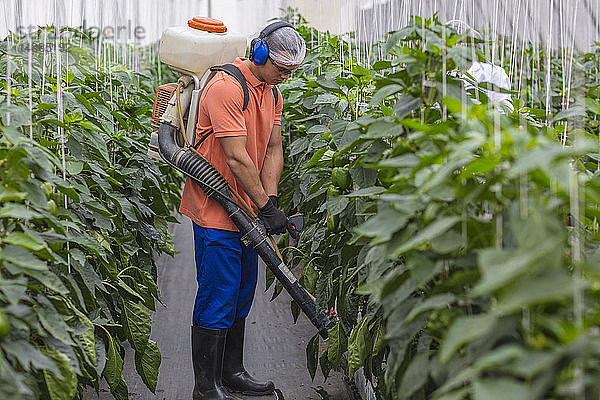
x=458, y=245
x=82, y=215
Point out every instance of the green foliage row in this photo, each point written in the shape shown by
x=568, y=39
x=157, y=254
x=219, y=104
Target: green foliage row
x=458, y=245
x=80, y=221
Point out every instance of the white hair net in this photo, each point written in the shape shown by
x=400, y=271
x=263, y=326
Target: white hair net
x=286, y=46
x=462, y=28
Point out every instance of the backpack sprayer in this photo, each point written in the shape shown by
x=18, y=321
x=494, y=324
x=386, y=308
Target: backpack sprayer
x=192, y=52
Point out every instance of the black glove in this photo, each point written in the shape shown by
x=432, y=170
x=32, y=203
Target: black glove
x=275, y=200
x=274, y=219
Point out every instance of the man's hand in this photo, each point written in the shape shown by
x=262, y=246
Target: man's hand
x=274, y=219
x=275, y=200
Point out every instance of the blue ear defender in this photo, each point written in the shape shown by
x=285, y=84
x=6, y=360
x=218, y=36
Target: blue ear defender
x=259, y=50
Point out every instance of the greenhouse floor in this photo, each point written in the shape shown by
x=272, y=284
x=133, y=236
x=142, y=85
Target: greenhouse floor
x=275, y=346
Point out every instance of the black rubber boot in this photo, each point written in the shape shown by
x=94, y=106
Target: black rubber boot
x=207, y=358
x=235, y=376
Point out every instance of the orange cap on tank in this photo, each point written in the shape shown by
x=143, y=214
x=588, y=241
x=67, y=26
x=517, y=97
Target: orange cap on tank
x=207, y=24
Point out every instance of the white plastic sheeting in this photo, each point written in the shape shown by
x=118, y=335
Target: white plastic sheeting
x=563, y=23
x=134, y=21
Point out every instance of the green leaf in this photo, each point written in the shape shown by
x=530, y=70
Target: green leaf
x=344, y=133
x=29, y=356
x=130, y=290
x=97, y=141
x=90, y=126
x=370, y=191
x=325, y=365
x=126, y=208
x=69, y=191
x=544, y=288
x=432, y=303
x=337, y=204
x=363, y=177
x=384, y=93
x=120, y=392
x=463, y=331
x=18, y=211
x=433, y=230
x=396, y=36
x=381, y=64
x=74, y=167
x=89, y=243
x=408, y=160
x=48, y=279
x=11, y=195
x=136, y=324
x=53, y=322
x=167, y=244
x=479, y=166
x=326, y=98
x=86, y=336
x=448, y=242
x=338, y=344
x=147, y=362
x=22, y=258
x=114, y=363
x=405, y=105
x=24, y=240
x=500, y=388
x=415, y=376
x=329, y=84
x=383, y=225
x=316, y=158
x=295, y=308
x=312, y=355
x=569, y=113
x=500, y=267
x=383, y=128
x=61, y=387
x=53, y=121
x=317, y=129
x=357, y=347
x=360, y=71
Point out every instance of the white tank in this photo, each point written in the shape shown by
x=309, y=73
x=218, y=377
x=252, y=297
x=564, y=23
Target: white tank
x=195, y=49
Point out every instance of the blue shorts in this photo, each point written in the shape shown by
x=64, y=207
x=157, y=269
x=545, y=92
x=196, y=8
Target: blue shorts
x=226, y=271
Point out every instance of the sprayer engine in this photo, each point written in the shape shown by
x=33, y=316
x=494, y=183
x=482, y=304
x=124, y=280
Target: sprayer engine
x=190, y=51
x=163, y=95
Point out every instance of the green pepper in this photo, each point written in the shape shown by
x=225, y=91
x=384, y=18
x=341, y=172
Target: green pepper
x=332, y=191
x=4, y=325
x=340, y=177
x=333, y=221
x=340, y=159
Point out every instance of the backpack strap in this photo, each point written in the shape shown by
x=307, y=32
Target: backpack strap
x=202, y=139
x=275, y=95
x=234, y=71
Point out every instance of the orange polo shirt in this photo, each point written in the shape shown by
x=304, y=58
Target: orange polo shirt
x=220, y=110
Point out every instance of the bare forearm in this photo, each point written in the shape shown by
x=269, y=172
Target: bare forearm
x=246, y=175
x=272, y=168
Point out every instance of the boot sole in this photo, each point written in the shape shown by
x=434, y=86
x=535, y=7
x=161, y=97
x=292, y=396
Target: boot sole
x=251, y=393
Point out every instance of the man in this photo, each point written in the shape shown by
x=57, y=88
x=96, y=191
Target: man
x=244, y=145
x=485, y=72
